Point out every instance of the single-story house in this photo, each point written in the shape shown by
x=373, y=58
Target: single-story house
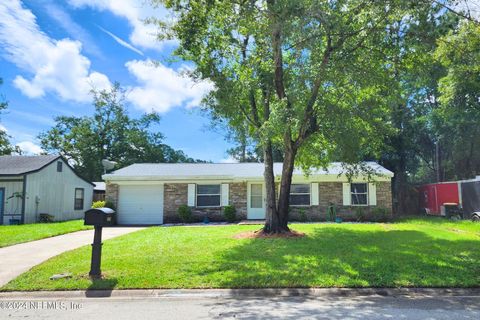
x=99, y=191
x=150, y=193
x=32, y=185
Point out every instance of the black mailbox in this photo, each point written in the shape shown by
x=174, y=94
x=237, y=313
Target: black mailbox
x=102, y=217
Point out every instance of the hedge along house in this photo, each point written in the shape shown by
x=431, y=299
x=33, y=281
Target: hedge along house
x=32, y=185
x=152, y=193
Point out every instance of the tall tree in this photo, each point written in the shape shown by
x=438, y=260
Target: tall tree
x=305, y=75
x=5, y=146
x=457, y=118
x=109, y=134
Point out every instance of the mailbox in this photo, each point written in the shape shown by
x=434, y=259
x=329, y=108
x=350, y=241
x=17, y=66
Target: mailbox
x=102, y=217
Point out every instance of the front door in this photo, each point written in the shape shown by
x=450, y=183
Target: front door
x=255, y=201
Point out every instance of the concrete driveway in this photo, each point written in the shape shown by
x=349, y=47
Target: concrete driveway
x=16, y=259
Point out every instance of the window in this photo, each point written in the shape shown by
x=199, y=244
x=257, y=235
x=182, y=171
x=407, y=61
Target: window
x=300, y=195
x=208, y=195
x=59, y=166
x=359, y=194
x=256, y=195
x=79, y=198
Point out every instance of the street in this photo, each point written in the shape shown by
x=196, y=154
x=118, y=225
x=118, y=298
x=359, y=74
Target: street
x=211, y=306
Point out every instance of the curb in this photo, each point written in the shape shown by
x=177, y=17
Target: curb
x=240, y=293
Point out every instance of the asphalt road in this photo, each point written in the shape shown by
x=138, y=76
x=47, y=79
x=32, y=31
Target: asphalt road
x=220, y=307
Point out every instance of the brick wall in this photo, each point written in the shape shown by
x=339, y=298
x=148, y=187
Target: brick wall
x=332, y=193
x=176, y=194
x=111, y=193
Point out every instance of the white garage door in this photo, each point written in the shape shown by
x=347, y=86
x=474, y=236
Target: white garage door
x=140, y=204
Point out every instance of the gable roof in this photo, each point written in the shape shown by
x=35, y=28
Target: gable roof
x=170, y=171
x=17, y=165
x=20, y=165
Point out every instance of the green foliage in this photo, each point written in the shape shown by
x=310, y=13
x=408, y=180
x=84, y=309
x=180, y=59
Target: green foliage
x=110, y=133
x=380, y=214
x=302, y=214
x=98, y=204
x=185, y=213
x=360, y=214
x=103, y=204
x=230, y=213
x=5, y=146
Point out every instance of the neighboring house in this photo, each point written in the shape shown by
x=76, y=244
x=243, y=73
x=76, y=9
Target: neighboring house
x=99, y=191
x=31, y=185
x=152, y=193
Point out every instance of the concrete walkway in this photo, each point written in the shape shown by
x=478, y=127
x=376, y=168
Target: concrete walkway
x=16, y=259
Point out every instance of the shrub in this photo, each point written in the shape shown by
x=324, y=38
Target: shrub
x=185, y=213
x=381, y=214
x=229, y=212
x=360, y=214
x=98, y=204
x=302, y=214
x=103, y=204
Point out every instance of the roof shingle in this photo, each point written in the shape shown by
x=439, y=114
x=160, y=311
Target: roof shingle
x=16, y=165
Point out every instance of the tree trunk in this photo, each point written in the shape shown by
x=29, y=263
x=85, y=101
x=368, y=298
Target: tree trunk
x=272, y=221
x=286, y=182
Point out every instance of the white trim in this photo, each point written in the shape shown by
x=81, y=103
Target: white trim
x=314, y=194
x=191, y=194
x=224, y=201
x=372, y=194
x=347, y=195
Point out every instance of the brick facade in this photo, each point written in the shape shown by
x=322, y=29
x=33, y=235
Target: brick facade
x=176, y=194
x=332, y=193
x=111, y=193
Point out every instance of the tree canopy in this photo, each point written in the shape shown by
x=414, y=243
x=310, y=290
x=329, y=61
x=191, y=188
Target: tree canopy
x=110, y=133
x=6, y=148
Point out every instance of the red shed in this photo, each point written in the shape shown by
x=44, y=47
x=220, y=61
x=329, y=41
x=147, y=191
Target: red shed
x=433, y=196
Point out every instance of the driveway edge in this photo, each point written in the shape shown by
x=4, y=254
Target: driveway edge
x=238, y=293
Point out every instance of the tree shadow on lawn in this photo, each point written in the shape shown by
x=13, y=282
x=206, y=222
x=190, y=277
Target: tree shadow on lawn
x=336, y=257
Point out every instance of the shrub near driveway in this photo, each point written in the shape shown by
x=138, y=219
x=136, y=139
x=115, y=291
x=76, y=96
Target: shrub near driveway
x=10, y=235
x=331, y=255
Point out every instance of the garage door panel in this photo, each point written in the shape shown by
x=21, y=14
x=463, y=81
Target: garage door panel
x=138, y=204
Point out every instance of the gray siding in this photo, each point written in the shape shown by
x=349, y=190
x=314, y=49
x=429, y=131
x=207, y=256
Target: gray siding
x=52, y=192
x=13, y=206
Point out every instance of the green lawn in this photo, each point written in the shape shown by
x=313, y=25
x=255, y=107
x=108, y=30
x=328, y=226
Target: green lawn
x=28, y=232
x=421, y=252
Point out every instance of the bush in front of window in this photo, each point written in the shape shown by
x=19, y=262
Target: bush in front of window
x=302, y=215
x=185, y=213
x=230, y=213
x=360, y=214
x=381, y=214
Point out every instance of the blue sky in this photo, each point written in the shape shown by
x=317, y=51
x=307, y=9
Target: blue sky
x=53, y=52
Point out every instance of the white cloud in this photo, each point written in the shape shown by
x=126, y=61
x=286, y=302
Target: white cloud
x=28, y=147
x=57, y=65
x=121, y=42
x=229, y=159
x=135, y=11
x=2, y=128
x=162, y=88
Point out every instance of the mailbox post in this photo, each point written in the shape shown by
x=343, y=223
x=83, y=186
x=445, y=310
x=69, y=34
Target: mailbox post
x=99, y=218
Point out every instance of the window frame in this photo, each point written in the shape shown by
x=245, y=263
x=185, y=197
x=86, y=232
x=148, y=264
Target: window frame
x=59, y=166
x=208, y=194
x=366, y=193
x=301, y=194
x=75, y=207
